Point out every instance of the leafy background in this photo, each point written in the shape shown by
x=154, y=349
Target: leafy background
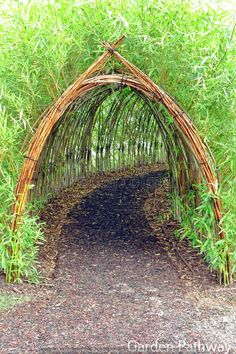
x=188, y=48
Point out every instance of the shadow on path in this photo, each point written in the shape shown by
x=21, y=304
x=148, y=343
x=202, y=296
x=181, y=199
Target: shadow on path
x=113, y=215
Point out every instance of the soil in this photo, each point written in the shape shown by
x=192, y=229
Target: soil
x=116, y=279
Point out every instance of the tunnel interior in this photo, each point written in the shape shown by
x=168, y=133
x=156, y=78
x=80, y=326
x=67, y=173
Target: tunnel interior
x=112, y=128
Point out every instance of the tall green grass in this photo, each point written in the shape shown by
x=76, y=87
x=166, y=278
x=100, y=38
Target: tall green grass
x=45, y=45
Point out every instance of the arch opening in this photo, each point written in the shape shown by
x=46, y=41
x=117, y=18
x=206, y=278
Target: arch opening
x=109, y=121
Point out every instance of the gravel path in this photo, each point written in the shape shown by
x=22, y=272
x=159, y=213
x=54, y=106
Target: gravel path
x=117, y=290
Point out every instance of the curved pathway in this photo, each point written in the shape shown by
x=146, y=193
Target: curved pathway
x=115, y=290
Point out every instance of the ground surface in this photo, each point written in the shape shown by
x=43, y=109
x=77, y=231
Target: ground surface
x=119, y=280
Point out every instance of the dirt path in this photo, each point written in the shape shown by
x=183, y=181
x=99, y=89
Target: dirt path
x=119, y=285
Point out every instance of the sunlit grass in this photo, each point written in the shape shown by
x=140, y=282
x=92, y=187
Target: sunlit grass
x=8, y=301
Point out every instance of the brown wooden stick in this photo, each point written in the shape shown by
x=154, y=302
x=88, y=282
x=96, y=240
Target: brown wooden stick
x=175, y=248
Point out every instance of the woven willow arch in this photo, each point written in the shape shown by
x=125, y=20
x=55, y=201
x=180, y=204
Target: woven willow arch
x=200, y=159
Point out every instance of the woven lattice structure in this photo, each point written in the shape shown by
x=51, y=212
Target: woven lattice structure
x=112, y=120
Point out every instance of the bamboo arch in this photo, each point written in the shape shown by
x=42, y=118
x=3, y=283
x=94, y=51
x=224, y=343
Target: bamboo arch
x=198, y=152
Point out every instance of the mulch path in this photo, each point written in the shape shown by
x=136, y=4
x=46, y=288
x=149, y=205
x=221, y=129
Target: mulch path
x=115, y=274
